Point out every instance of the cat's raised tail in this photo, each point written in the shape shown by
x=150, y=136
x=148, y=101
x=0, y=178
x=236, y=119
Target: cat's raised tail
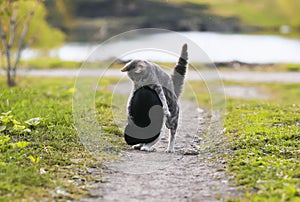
x=180, y=71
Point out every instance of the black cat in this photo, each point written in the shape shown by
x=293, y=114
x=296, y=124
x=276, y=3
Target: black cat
x=144, y=126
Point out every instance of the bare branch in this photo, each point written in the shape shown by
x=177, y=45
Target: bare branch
x=22, y=36
x=13, y=25
x=7, y=53
x=3, y=37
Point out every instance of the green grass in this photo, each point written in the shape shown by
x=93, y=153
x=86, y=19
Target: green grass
x=265, y=12
x=269, y=14
x=40, y=157
x=55, y=63
x=264, y=140
x=265, y=144
x=49, y=63
x=43, y=159
x=292, y=67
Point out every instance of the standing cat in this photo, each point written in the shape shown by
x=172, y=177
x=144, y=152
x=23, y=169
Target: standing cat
x=146, y=75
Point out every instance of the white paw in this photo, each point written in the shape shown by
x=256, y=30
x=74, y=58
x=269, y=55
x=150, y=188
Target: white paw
x=137, y=146
x=147, y=148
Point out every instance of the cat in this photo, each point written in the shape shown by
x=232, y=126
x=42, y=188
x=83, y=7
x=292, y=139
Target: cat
x=146, y=75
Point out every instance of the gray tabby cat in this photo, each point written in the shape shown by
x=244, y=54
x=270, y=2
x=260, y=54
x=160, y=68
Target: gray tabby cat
x=168, y=88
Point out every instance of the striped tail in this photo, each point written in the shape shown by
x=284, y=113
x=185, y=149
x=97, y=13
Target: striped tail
x=180, y=71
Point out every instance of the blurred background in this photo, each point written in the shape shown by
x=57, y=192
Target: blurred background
x=234, y=33
x=43, y=43
x=94, y=20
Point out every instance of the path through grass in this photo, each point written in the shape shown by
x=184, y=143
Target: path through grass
x=42, y=158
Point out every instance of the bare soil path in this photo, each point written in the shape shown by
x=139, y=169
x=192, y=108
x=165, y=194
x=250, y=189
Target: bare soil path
x=189, y=174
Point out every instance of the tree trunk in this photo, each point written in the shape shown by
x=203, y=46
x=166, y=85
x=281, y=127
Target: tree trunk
x=11, y=41
x=11, y=69
x=10, y=81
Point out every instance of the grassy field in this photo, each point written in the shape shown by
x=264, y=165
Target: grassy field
x=49, y=63
x=264, y=140
x=265, y=13
x=55, y=63
x=265, y=158
x=42, y=158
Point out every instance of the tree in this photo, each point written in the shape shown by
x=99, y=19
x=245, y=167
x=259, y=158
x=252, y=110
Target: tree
x=22, y=25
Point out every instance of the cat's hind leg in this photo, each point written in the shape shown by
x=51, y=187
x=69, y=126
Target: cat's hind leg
x=171, y=144
x=172, y=125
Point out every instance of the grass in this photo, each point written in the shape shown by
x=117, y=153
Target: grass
x=55, y=63
x=292, y=67
x=265, y=144
x=266, y=13
x=262, y=67
x=264, y=139
x=41, y=156
x=49, y=63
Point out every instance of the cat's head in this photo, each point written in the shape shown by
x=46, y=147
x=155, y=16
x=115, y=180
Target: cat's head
x=136, y=69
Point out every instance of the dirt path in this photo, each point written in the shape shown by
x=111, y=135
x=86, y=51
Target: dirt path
x=190, y=174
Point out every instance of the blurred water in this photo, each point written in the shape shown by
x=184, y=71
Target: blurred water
x=219, y=47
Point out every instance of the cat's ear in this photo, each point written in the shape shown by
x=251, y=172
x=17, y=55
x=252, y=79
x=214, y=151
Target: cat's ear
x=127, y=67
